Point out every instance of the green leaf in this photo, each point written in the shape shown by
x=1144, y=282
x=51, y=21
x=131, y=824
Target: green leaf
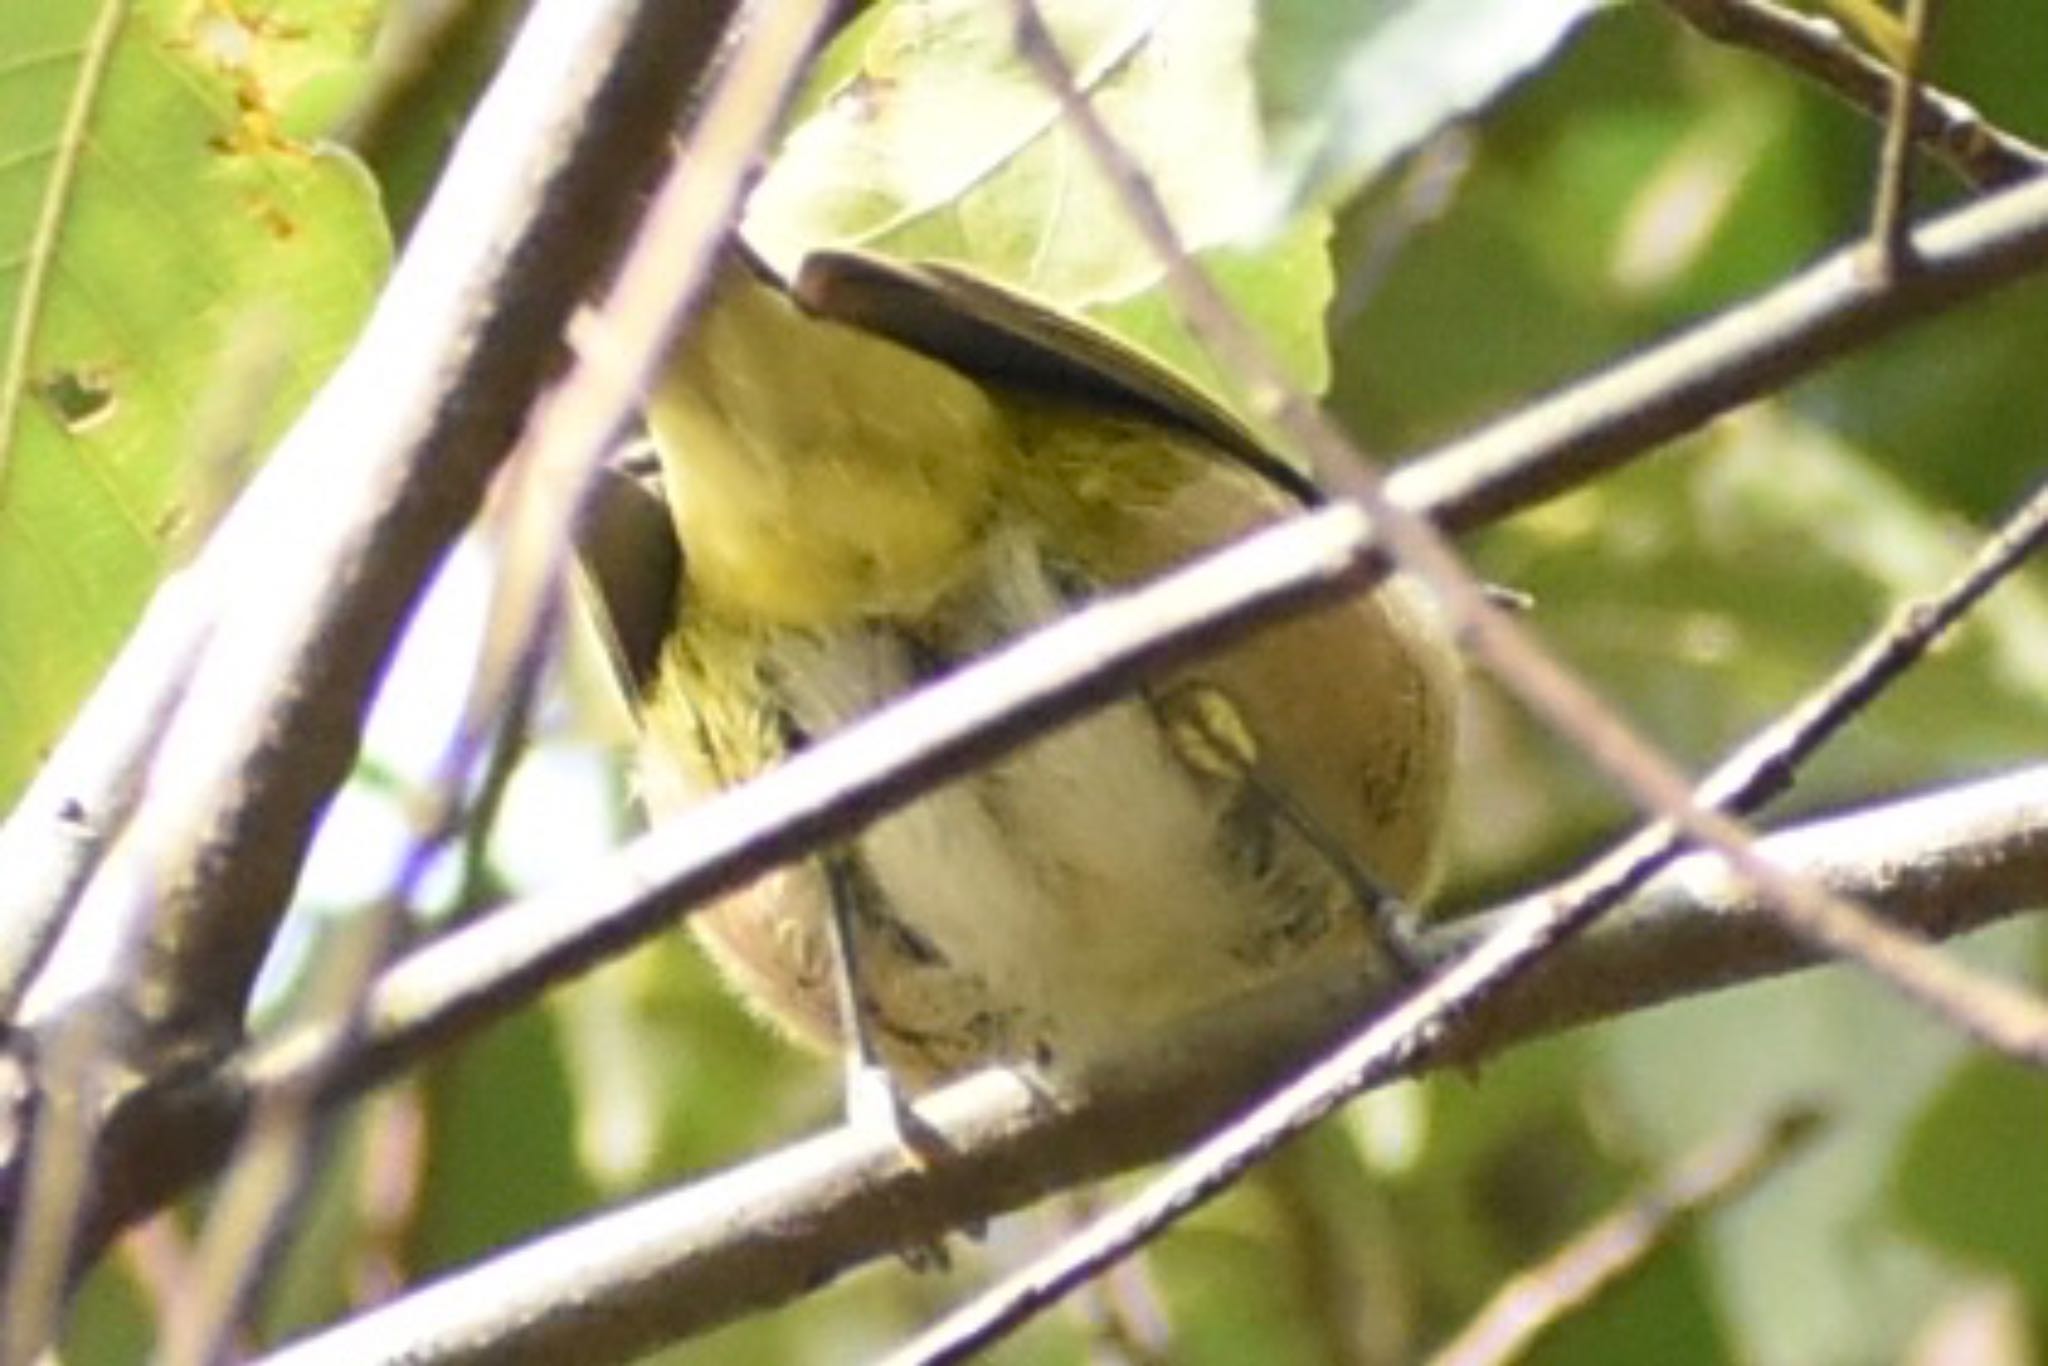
x=501, y=1157
x=1973, y=1176
x=937, y=142
x=1348, y=89
x=1707, y=591
x=178, y=269
x=1816, y=1266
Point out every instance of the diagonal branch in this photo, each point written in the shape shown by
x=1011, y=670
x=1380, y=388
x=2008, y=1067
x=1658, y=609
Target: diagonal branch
x=1891, y=212
x=505, y=959
x=684, y=1261
x=1534, y=1302
x=313, y=572
x=2007, y=1018
x=1979, y=151
x=1536, y=932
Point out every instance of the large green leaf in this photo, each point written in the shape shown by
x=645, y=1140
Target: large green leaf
x=178, y=268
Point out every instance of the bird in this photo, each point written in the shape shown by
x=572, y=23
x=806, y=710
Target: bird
x=875, y=471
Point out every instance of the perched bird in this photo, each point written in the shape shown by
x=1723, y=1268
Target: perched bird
x=880, y=471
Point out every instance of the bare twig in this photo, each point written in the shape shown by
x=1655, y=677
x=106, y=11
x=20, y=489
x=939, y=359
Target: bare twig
x=319, y=561
x=1982, y=153
x=266, y=1180
x=670, y=258
x=1538, y=1299
x=1742, y=354
x=685, y=1261
x=1891, y=239
x=491, y=966
x=73, y=1094
x=389, y=1183
x=2003, y=1016
x=1125, y=1319
x=512, y=734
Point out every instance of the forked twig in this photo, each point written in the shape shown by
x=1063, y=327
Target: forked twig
x=1891, y=238
x=1982, y=153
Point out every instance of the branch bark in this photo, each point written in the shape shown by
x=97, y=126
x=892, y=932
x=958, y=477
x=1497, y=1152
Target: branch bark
x=182, y=1122
x=683, y=1262
x=310, y=577
x=313, y=691
x=1977, y=150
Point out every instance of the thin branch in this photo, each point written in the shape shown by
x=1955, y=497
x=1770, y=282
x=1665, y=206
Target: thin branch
x=504, y=959
x=1890, y=219
x=512, y=735
x=1977, y=150
x=1744, y=353
x=1126, y=1320
x=772, y=1230
x=622, y=346
x=74, y=1092
x=1536, y=1300
x=315, y=568
x=2006, y=1018
x=1418, y=1025
x=249, y=1223
x=1764, y=766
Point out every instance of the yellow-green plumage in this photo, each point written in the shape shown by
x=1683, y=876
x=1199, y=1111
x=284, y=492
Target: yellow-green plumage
x=802, y=494
x=856, y=517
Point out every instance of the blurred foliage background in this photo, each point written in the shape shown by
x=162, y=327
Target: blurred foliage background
x=1470, y=241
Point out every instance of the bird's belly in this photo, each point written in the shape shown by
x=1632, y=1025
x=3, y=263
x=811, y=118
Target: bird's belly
x=1092, y=887
x=1082, y=894
x=1138, y=865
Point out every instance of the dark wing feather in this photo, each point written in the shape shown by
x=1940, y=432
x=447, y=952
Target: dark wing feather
x=1008, y=341
x=632, y=565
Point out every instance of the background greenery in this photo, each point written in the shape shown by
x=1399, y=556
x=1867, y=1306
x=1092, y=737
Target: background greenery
x=1471, y=240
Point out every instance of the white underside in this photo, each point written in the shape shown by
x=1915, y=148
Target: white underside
x=1081, y=879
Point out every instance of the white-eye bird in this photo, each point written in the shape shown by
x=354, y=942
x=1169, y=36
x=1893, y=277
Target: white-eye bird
x=883, y=471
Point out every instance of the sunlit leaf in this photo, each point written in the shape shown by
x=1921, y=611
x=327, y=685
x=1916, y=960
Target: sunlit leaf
x=178, y=268
x=942, y=143
x=1346, y=89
